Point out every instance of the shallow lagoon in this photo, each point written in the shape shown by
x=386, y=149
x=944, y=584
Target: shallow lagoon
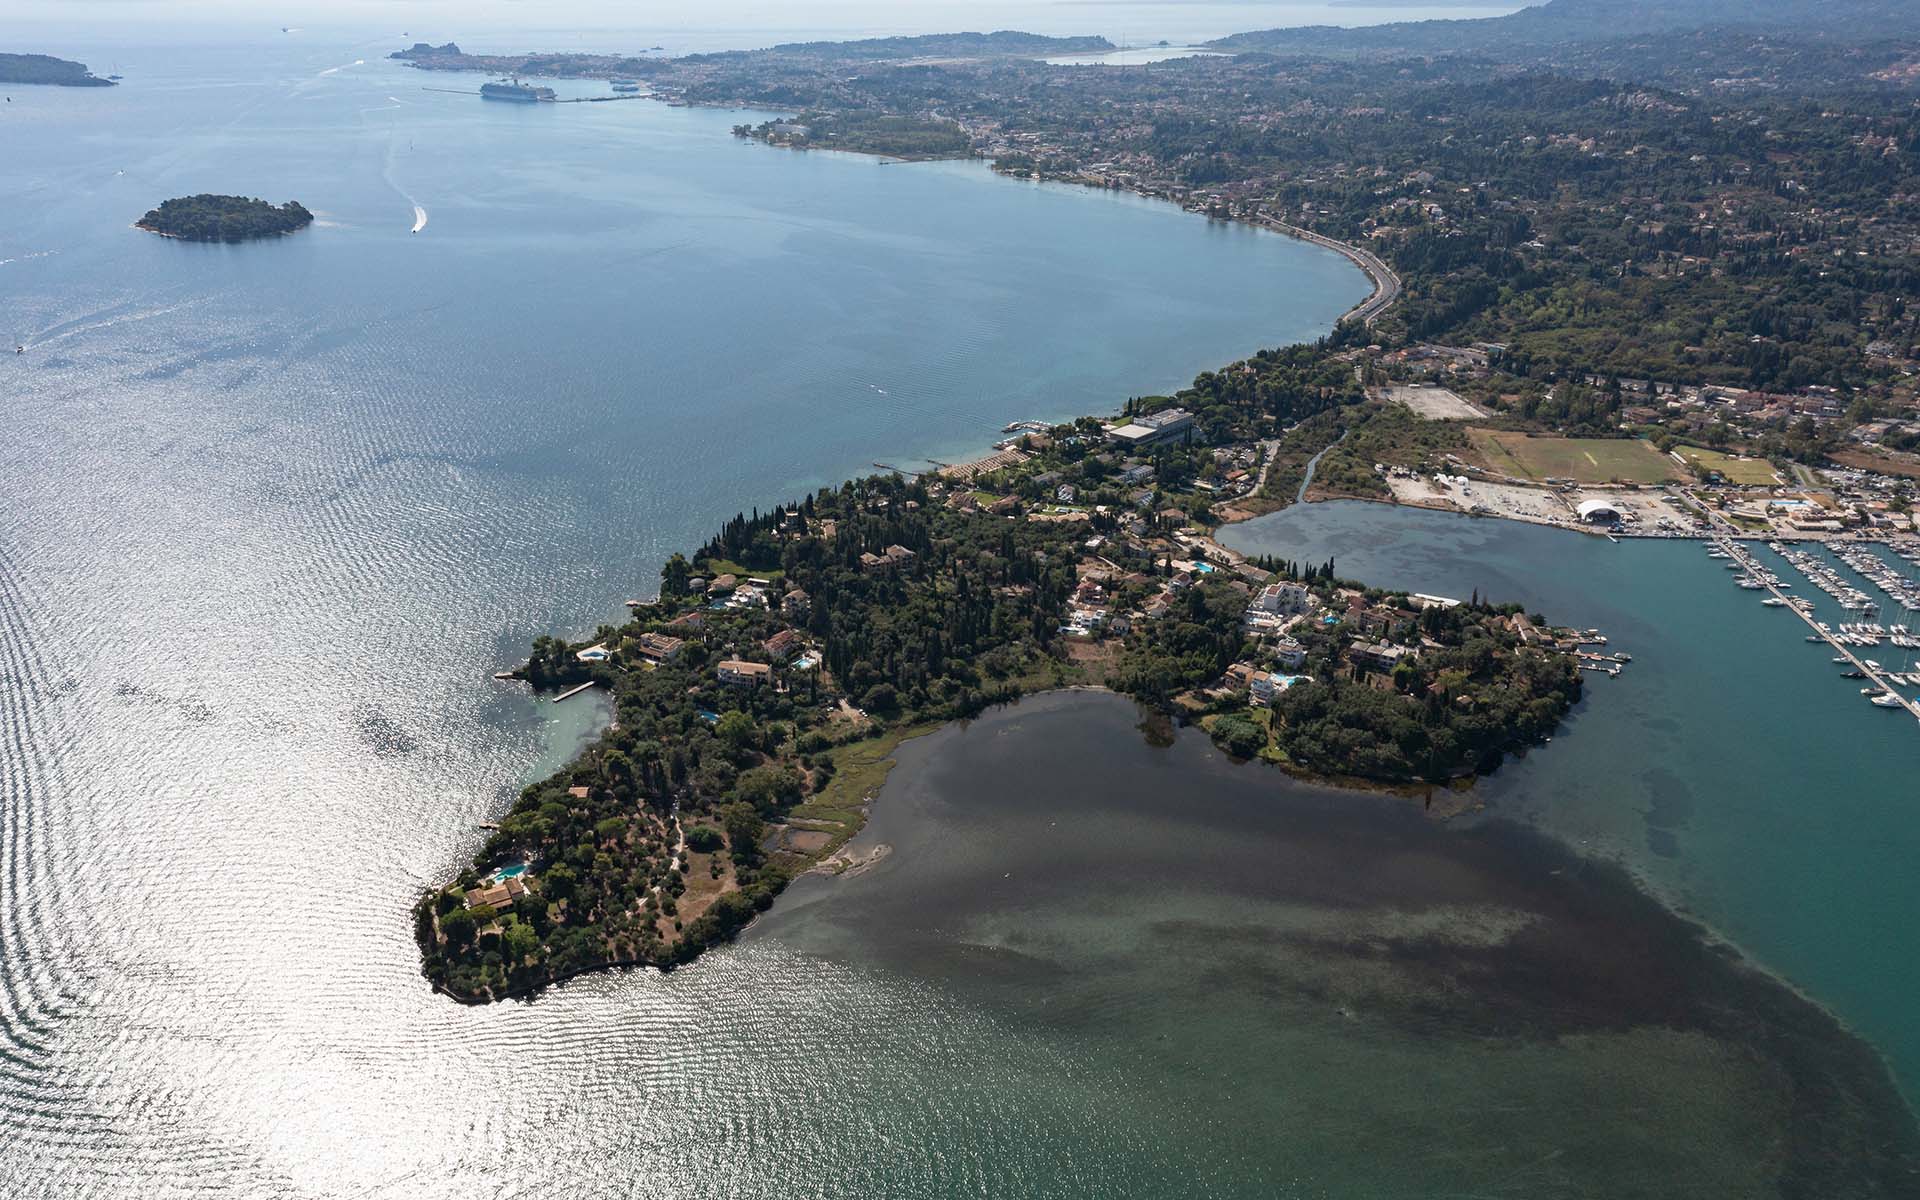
x=1204, y=978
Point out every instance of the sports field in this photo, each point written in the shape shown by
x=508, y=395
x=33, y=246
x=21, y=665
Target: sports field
x=1751, y=471
x=1585, y=460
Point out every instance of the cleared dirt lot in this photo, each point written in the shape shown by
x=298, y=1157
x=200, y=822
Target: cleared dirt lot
x=1649, y=512
x=1433, y=403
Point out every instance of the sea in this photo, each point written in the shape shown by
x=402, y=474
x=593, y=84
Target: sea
x=272, y=514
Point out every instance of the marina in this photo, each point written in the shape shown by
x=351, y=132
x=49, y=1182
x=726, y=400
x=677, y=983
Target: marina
x=1756, y=575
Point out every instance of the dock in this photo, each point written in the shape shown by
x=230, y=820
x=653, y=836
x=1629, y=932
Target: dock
x=571, y=692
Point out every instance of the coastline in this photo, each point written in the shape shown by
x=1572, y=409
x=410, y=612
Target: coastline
x=1385, y=282
x=181, y=237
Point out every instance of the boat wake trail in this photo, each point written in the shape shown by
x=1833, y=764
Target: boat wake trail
x=386, y=171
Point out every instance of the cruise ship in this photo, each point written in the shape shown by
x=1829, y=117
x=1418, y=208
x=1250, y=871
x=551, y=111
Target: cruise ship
x=514, y=90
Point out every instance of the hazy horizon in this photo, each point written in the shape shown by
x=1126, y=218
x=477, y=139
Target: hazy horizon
x=683, y=26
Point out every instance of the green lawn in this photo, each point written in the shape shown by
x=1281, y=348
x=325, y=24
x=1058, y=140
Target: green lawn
x=1757, y=472
x=1585, y=460
x=716, y=567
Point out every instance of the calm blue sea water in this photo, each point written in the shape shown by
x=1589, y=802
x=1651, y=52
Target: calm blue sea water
x=271, y=514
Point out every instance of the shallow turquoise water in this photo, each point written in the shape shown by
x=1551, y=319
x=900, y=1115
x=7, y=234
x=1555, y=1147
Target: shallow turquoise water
x=1729, y=764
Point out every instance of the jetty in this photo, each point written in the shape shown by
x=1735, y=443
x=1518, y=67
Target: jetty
x=571, y=692
x=1604, y=664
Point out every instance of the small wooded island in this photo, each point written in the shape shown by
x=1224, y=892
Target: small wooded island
x=758, y=699
x=209, y=218
x=46, y=69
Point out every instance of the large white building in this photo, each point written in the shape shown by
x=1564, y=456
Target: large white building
x=1274, y=607
x=1283, y=599
x=1168, y=425
x=1599, y=512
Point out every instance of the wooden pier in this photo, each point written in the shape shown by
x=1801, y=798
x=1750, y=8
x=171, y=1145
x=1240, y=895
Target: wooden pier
x=571, y=692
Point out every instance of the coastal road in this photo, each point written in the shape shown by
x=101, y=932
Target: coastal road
x=1386, y=284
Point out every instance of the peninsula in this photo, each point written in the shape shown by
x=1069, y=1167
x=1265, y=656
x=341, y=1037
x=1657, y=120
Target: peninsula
x=758, y=698
x=45, y=69
x=210, y=218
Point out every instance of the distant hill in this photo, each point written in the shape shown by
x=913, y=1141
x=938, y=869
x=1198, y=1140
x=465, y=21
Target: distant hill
x=44, y=68
x=1004, y=44
x=1561, y=22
